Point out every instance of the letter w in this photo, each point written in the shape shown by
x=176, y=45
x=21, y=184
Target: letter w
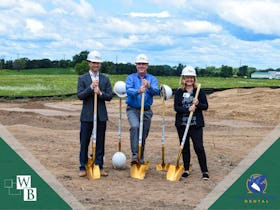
x=23, y=181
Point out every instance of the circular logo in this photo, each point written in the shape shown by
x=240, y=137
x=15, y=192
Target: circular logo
x=256, y=183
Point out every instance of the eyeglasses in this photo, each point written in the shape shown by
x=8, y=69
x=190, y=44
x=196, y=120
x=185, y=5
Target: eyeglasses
x=141, y=64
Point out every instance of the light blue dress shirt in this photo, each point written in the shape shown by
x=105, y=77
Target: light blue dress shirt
x=133, y=83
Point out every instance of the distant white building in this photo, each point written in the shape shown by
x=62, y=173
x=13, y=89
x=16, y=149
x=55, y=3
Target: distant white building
x=266, y=75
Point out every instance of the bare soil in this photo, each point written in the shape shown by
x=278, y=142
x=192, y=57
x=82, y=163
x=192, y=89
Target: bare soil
x=236, y=121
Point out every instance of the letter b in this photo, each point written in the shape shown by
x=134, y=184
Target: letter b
x=30, y=194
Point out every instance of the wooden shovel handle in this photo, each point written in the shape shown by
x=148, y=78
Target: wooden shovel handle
x=94, y=117
x=141, y=126
x=94, y=127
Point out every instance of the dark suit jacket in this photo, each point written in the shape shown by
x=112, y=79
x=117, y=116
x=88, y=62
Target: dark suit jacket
x=86, y=94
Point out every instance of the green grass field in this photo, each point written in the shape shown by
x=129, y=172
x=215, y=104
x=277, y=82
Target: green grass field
x=49, y=82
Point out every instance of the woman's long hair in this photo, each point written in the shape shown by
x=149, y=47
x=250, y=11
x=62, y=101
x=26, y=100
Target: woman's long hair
x=182, y=82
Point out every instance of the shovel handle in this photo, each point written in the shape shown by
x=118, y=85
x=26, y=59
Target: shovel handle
x=179, y=156
x=120, y=146
x=120, y=123
x=163, y=107
x=141, y=119
x=162, y=154
x=94, y=127
x=163, y=122
x=141, y=126
x=163, y=129
x=94, y=117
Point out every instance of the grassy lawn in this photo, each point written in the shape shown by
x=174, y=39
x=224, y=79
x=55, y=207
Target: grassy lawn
x=37, y=85
x=48, y=82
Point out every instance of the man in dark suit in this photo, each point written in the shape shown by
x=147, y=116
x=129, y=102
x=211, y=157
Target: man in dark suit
x=88, y=84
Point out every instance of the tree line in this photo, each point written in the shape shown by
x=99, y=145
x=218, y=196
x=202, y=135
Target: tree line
x=80, y=65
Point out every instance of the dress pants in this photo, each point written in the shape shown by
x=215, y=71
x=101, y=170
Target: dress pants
x=133, y=116
x=85, y=137
x=196, y=134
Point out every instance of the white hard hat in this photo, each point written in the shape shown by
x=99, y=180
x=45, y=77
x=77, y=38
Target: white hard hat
x=119, y=160
x=165, y=92
x=188, y=71
x=94, y=56
x=142, y=58
x=120, y=89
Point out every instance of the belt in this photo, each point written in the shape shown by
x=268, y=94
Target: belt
x=147, y=108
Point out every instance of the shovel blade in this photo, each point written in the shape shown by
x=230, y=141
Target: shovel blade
x=174, y=173
x=93, y=171
x=147, y=165
x=138, y=171
x=162, y=167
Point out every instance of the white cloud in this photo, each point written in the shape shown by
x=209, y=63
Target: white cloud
x=76, y=9
x=256, y=15
x=196, y=27
x=259, y=16
x=119, y=25
x=29, y=8
x=59, y=11
x=7, y=4
x=84, y=9
x=174, y=3
x=130, y=26
x=3, y=28
x=164, y=40
x=89, y=44
x=163, y=14
x=169, y=31
x=126, y=42
x=34, y=26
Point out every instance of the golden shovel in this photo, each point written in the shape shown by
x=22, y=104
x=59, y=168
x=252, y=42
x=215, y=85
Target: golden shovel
x=163, y=166
x=93, y=171
x=175, y=172
x=138, y=170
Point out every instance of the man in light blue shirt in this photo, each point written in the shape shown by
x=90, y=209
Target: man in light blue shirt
x=136, y=84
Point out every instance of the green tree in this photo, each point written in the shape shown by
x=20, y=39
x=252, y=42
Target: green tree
x=20, y=63
x=179, y=69
x=64, y=63
x=80, y=57
x=127, y=68
x=45, y=63
x=2, y=63
x=251, y=70
x=108, y=67
x=242, y=71
x=226, y=71
x=81, y=68
x=207, y=72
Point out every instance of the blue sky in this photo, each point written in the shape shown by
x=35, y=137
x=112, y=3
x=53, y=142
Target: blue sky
x=191, y=32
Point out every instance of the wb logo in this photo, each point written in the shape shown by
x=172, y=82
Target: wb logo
x=24, y=183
